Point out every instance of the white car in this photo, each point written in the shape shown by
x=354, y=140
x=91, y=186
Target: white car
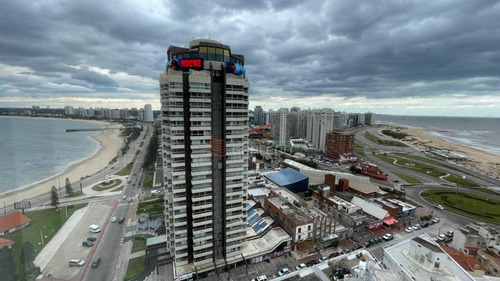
x=300, y=266
x=323, y=258
x=387, y=236
x=113, y=219
x=283, y=271
x=409, y=229
x=260, y=278
x=157, y=191
x=440, y=207
x=416, y=227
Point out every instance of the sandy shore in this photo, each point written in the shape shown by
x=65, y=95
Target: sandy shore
x=478, y=160
x=110, y=142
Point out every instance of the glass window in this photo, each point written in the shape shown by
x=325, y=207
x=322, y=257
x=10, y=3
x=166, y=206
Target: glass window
x=203, y=53
x=186, y=55
x=194, y=55
x=219, y=54
x=211, y=53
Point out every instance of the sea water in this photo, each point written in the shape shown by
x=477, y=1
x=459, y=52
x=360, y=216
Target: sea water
x=479, y=133
x=33, y=149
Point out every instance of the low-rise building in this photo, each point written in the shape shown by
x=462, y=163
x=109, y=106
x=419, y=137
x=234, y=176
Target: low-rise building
x=475, y=235
x=490, y=258
x=13, y=222
x=418, y=257
x=468, y=263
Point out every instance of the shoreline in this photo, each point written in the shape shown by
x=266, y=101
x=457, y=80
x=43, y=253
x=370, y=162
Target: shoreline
x=109, y=144
x=479, y=160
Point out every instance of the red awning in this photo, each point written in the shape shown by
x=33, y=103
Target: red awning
x=390, y=221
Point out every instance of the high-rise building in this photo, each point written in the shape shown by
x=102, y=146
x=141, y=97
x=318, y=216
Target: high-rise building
x=370, y=118
x=204, y=97
x=281, y=127
x=339, y=142
x=259, y=116
x=69, y=110
x=148, y=113
x=319, y=123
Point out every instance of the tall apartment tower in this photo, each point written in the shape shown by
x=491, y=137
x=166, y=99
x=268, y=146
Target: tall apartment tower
x=204, y=96
x=339, y=142
x=319, y=123
x=281, y=124
x=259, y=116
x=148, y=113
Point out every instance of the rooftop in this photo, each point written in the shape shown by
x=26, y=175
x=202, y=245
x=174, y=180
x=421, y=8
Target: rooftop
x=12, y=220
x=285, y=177
x=467, y=262
x=364, y=187
x=294, y=213
x=370, y=208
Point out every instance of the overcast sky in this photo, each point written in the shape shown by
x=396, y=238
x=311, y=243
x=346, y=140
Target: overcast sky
x=394, y=57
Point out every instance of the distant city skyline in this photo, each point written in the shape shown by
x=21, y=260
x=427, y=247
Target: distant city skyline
x=425, y=58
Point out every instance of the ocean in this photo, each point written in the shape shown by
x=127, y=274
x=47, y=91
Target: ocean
x=32, y=150
x=479, y=133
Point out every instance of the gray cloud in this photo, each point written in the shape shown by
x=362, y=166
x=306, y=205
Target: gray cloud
x=378, y=49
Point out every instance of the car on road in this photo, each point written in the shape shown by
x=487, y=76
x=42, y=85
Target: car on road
x=283, y=271
x=91, y=238
x=121, y=220
x=157, y=191
x=260, y=278
x=332, y=255
x=440, y=207
x=129, y=200
x=435, y=220
x=113, y=219
x=133, y=184
x=88, y=243
x=387, y=236
x=311, y=263
x=441, y=237
x=416, y=227
x=300, y=266
x=96, y=262
x=124, y=197
x=409, y=229
x=323, y=258
x=76, y=262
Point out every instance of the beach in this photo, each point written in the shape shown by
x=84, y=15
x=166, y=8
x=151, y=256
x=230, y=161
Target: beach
x=478, y=160
x=110, y=142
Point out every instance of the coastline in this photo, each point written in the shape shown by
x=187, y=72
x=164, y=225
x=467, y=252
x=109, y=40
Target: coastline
x=478, y=160
x=109, y=141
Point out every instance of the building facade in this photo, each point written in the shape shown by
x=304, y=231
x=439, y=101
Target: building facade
x=338, y=143
x=148, y=113
x=204, y=97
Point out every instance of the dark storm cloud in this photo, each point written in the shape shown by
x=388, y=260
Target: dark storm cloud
x=375, y=49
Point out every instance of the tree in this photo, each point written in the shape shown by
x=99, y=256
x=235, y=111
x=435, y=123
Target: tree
x=7, y=267
x=28, y=255
x=69, y=189
x=54, y=197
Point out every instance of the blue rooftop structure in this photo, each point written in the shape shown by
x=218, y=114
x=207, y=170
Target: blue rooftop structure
x=260, y=226
x=290, y=179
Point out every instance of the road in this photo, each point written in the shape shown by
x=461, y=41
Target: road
x=109, y=247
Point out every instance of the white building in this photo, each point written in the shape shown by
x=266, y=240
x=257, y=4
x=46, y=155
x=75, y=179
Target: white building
x=319, y=123
x=148, y=113
x=204, y=97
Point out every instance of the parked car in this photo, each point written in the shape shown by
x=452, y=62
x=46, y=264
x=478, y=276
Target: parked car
x=416, y=227
x=76, y=262
x=449, y=233
x=113, y=219
x=87, y=243
x=332, y=255
x=346, y=250
x=387, y=236
x=409, y=229
x=260, y=278
x=96, y=262
x=129, y=200
x=435, y=220
x=91, y=238
x=424, y=224
x=356, y=247
x=283, y=271
x=441, y=237
x=311, y=263
x=323, y=258
x=300, y=266
x=122, y=219
x=366, y=245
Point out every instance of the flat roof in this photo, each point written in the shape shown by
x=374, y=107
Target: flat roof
x=398, y=252
x=258, y=192
x=291, y=211
x=286, y=177
x=370, y=208
x=364, y=187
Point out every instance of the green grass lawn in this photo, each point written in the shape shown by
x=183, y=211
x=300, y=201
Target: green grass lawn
x=488, y=191
x=99, y=187
x=460, y=181
x=377, y=140
x=359, y=152
x=467, y=204
x=413, y=166
x=135, y=267
x=139, y=243
x=148, y=180
x=76, y=193
x=154, y=207
x=44, y=223
x=118, y=189
x=408, y=179
x=357, y=145
x=125, y=171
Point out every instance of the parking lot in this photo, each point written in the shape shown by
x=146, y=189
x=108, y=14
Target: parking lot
x=72, y=248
